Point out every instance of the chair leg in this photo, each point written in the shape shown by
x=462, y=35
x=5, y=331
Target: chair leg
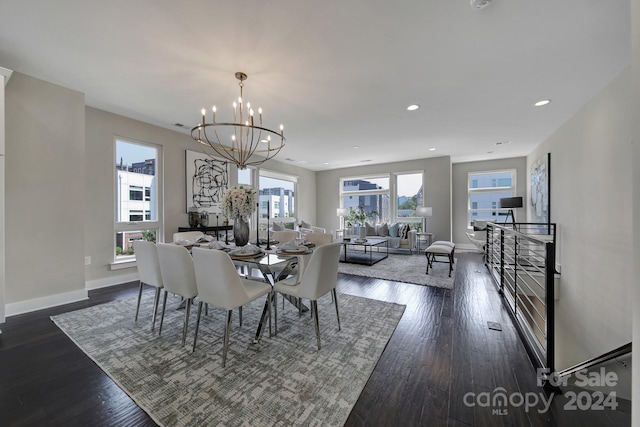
x=164, y=305
x=273, y=297
x=240, y=315
x=195, y=335
x=314, y=313
x=138, y=306
x=227, y=331
x=156, y=302
x=334, y=296
x=187, y=311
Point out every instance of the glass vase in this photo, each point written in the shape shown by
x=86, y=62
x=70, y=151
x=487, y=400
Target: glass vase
x=240, y=232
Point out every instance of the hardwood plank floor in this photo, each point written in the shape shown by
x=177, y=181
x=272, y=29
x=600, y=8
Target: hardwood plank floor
x=441, y=350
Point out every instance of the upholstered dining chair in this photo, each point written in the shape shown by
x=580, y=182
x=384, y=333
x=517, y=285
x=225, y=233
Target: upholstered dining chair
x=178, y=277
x=149, y=273
x=186, y=235
x=219, y=284
x=319, y=239
x=320, y=276
x=285, y=236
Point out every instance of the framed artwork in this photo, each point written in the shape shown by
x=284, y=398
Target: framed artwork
x=541, y=190
x=207, y=179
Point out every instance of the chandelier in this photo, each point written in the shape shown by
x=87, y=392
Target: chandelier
x=243, y=137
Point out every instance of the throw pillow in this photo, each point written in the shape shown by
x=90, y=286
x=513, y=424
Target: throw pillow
x=278, y=226
x=404, y=231
x=369, y=230
x=394, y=229
x=304, y=224
x=383, y=230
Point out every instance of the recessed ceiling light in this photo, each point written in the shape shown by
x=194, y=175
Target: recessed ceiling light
x=413, y=107
x=326, y=163
x=356, y=146
x=432, y=149
x=542, y=102
x=180, y=125
x=503, y=142
x=364, y=161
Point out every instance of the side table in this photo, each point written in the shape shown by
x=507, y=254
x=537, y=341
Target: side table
x=427, y=238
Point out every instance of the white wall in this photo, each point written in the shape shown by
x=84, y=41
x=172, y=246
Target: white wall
x=44, y=192
x=436, y=184
x=591, y=201
x=460, y=188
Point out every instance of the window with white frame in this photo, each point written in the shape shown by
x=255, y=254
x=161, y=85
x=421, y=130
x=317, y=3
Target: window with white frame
x=138, y=201
x=485, y=189
x=277, y=193
x=373, y=194
x=369, y=195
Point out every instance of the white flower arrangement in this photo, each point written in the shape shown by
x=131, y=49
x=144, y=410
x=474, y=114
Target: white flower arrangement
x=239, y=202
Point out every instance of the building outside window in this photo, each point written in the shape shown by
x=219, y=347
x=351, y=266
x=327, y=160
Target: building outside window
x=485, y=190
x=277, y=193
x=138, y=196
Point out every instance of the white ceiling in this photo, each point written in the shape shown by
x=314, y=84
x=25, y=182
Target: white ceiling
x=337, y=73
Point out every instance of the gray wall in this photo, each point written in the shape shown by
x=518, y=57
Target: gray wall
x=635, y=61
x=460, y=196
x=44, y=184
x=99, y=235
x=60, y=193
x=436, y=183
x=591, y=201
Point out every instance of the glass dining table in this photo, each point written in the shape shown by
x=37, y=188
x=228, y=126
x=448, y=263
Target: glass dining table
x=273, y=266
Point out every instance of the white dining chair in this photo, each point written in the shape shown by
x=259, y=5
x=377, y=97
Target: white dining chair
x=320, y=276
x=178, y=277
x=187, y=235
x=219, y=284
x=285, y=236
x=149, y=273
x=319, y=239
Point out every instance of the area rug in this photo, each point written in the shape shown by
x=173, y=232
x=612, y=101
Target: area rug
x=404, y=268
x=283, y=380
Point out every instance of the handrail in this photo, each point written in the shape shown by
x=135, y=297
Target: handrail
x=521, y=260
x=620, y=351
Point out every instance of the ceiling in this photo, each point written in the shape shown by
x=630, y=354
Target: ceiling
x=337, y=74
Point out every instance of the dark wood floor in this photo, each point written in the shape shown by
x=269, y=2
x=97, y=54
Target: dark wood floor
x=441, y=351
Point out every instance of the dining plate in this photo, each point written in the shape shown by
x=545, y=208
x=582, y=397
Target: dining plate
x=240, y=254
x=295, y=251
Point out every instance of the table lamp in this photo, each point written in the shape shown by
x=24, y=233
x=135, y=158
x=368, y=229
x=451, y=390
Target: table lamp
x=424, y=212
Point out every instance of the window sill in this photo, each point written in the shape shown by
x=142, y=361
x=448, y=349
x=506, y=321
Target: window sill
x=121, y=265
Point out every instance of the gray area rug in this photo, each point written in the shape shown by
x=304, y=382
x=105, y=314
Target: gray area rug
x=282, y=380
x=404, y=268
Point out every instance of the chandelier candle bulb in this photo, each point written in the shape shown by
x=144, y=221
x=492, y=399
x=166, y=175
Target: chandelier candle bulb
x=214, y=113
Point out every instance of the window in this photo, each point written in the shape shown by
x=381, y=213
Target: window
x=369, y=193
x=138, y=202
x=135, y=192
x=277, y=195
x=374, y=194
x=245, y=177
x=485, y=191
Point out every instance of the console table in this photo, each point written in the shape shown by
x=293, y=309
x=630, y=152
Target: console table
x=209, y=229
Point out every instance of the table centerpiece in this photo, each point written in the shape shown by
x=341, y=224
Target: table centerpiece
x=238, y=203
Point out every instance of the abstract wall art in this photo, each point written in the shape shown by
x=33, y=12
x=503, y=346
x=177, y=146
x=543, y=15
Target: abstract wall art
x=541, y=189
x=207, y=179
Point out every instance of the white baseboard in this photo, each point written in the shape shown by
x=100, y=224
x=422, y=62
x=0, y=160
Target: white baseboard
x=111, y=281
x=45, y=302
